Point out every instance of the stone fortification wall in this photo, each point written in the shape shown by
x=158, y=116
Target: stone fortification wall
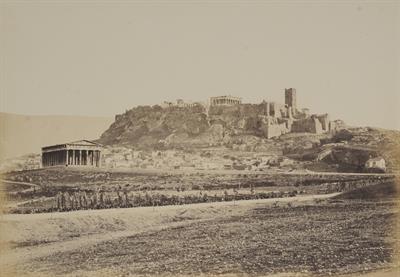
x=308, y=125
x=324, y=119
x=237, y=112
x=274, y=130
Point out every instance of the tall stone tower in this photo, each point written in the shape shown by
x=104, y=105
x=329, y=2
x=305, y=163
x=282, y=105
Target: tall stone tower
x=290, y=98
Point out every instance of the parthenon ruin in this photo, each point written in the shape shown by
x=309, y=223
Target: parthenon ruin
x=225, y=100
x=78, y=153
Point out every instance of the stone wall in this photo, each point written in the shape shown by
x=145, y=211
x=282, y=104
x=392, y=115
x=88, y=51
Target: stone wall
x=308, y=125
x=324, y=119
x=277, y=109
x=272, y=127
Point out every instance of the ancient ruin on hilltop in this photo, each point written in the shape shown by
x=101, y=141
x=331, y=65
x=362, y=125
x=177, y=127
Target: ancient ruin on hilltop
x=222, y=120
x=275, y=119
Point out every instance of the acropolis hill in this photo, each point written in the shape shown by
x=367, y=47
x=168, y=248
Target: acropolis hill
x=216, y=122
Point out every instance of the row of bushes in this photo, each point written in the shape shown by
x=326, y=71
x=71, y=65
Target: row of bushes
x=82, y=200
x=69, y=200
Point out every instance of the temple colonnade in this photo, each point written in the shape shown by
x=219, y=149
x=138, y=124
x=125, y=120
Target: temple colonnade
x=81, y=153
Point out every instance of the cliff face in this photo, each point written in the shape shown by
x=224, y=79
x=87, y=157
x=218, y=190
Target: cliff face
x=155, y=126
x=147, y=126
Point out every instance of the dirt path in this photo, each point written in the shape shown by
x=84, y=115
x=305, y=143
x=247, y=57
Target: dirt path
x=32, y=186
x=134, y=220
x=14, y=204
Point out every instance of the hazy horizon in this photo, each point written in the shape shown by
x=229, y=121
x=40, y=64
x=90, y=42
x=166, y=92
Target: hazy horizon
x=101, y=59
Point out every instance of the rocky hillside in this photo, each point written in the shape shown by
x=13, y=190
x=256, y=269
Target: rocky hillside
x=178, y=127
x=376, y=142
x=350, y=148
x=240, y=128
x=146, y=126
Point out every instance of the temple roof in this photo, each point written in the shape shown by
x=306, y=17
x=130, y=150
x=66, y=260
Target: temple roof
x=77, y=143
x=84, y=142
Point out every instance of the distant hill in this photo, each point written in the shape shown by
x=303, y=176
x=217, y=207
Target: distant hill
x=23, y=134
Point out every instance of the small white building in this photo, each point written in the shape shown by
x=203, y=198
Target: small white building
x=376, y=164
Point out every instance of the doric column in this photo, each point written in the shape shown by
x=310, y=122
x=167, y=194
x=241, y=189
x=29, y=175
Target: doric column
x=73, y=157
x=87, y=158
x=80, y=157
x=99, y=153
x=66, y=157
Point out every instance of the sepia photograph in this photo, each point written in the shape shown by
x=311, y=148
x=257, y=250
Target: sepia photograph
x=225, y=138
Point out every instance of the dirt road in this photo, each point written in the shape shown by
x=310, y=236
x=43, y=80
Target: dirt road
x=31, y=186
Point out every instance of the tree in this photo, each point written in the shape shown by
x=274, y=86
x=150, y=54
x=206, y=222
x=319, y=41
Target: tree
x=225, y=195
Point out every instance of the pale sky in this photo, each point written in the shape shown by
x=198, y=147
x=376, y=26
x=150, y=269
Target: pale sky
x=101, y=58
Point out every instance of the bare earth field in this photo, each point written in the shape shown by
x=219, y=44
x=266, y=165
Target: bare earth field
x=328, y=224
x=332, y=234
